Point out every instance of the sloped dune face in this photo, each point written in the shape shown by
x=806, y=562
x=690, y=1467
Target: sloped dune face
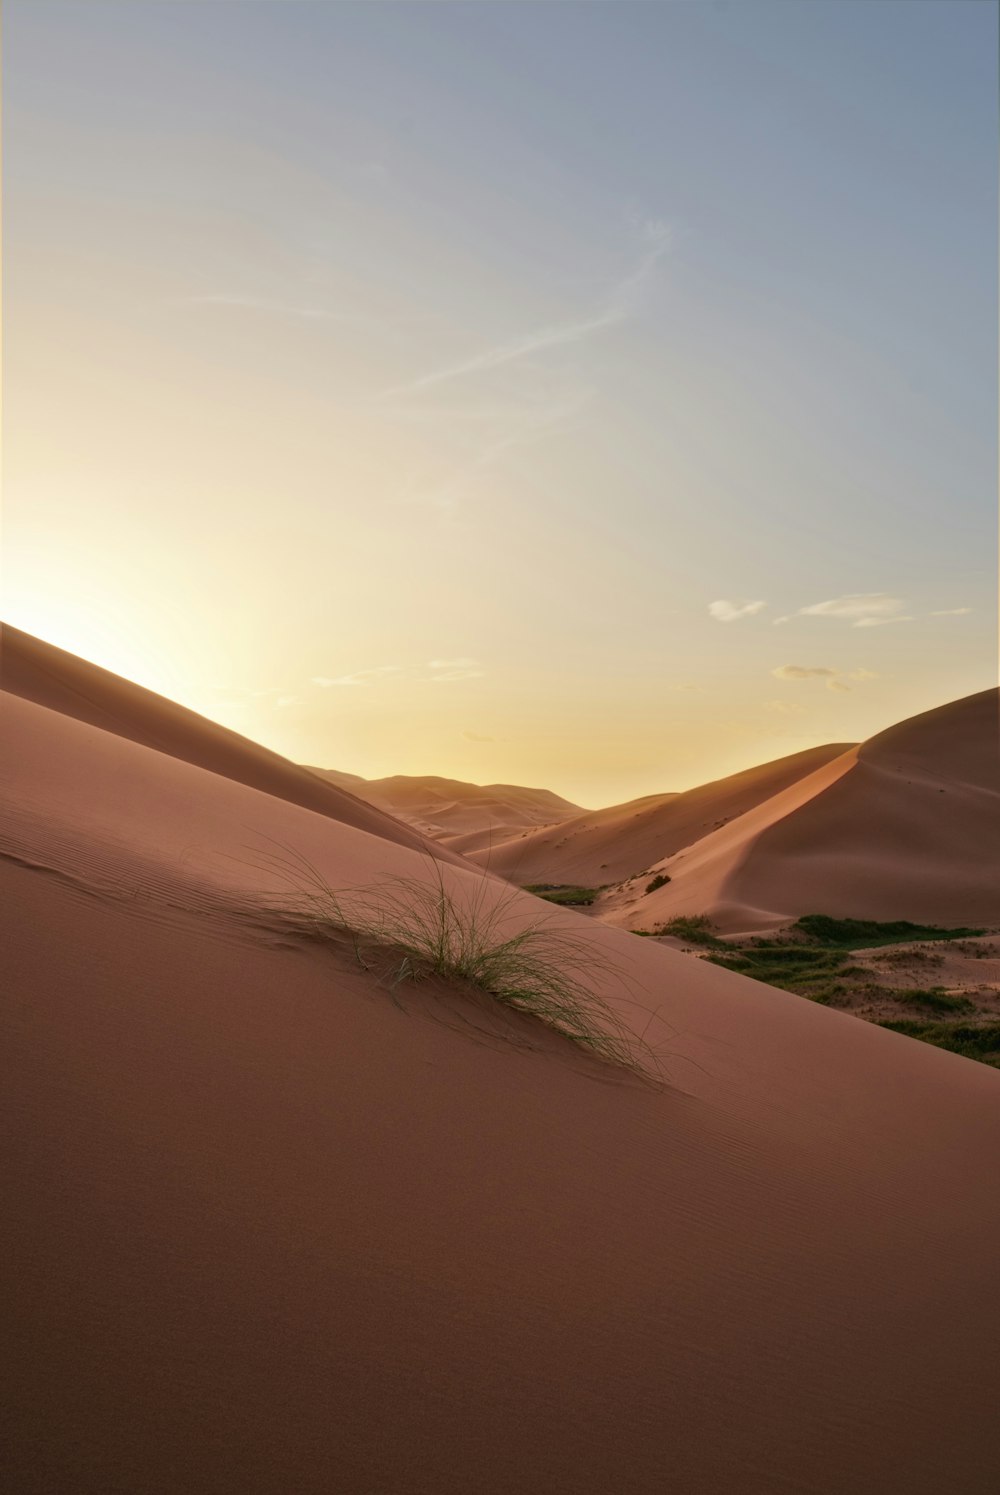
x=905, y=827
x=456, y=812
x=605, y=846
x=40, y=672
x=270, y=1226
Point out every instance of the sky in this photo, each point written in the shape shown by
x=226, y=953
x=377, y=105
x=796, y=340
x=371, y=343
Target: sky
x=594, y=396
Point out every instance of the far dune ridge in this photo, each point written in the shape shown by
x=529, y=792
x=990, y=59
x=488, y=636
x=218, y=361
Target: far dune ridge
x=457, y=813
x=597, y=847
x=906, y=826
x=267, y=1216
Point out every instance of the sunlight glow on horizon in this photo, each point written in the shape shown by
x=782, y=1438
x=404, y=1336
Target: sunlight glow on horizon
x=607, y=444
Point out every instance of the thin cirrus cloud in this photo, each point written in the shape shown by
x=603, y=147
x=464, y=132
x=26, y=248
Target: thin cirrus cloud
x=835, y=679
x=950, y=612
x=477, y=737
x=620, y=302
x=442, y=670
x=453, y=669
x=725, y=611
x=860, y=609
x=359, y=677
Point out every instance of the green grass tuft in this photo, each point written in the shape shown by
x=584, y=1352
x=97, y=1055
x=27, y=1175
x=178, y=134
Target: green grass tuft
x=563, y=894
x=933, y=999
x=409, y=928
x=659, y=881
x=861, y=934
x=982, y=1043
x=695, y=928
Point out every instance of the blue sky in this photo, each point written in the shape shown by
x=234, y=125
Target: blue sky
x=347, y=338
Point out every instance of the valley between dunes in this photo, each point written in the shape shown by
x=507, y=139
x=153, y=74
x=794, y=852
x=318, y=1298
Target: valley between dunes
x=274, y=1224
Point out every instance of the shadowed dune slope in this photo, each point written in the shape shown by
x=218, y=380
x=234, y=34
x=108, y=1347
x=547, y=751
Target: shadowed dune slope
x=905, y=827
x=605, y=846
x=269, y=1227
x=451, y=810
x=49, y=676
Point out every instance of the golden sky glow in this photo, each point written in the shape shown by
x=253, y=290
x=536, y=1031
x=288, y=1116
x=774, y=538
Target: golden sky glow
x=612, y=444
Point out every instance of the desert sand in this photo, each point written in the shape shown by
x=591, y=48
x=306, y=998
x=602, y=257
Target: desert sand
x=606, y=846
x=270, y=1227
x=457, y=813
x=907, y=826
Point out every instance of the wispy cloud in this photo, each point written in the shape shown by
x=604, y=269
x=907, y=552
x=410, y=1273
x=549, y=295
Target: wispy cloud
x=442, y=671
x=799, y=672
x=477, y=737
x=620, y=302
x=446, y=670
x=834, y=679
x=950, y=612
x=860, y=609
x=359, y=677
x=724, y=611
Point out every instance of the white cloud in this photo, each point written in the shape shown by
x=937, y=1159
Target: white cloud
x=860, y=609
x=453, y=664
x=881, y=622
x=950, y=612
x=360, y=677
x=799, y=672
x=727, y=612
x=835, y=679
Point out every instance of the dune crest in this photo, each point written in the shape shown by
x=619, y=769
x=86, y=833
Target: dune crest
x=906, y=826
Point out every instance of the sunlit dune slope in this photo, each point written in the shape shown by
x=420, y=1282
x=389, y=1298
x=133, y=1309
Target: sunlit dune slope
x=605, y=846
x=451, y=810
x=905, y=827
x=269, y=1226
x=49, y=676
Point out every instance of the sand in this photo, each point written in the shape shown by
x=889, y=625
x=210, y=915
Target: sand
x=605, y=846
x=266, y=1228
x=457, y=813
x=907, y=826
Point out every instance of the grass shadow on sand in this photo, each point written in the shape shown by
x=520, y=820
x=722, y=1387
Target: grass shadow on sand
x=409, y=929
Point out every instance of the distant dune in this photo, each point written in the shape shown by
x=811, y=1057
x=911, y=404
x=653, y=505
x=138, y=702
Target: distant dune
x=905, y=827
x=605, y=846
x=457, y=813
x=268, y=1226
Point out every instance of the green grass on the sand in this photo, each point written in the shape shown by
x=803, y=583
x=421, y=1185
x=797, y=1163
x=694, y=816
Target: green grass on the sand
x=813, y=960
x=571, y=897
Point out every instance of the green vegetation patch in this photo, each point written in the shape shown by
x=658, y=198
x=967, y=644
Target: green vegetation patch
x=933, y=999
x=808, y=970
x=659, y=881
x=568, y=897
x=696, y=929
x=862, y=934
x=982, y=1043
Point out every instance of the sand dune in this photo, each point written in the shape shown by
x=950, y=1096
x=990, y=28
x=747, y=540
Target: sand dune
x=457, y=813
x=52, y=678
x=905, y=827
x=266, y=1228
x=605, y=846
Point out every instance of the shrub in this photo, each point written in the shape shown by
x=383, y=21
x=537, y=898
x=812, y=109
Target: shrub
x=695, y=928
x=409, y=928
x=659, y=881
x=858, y=934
